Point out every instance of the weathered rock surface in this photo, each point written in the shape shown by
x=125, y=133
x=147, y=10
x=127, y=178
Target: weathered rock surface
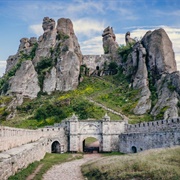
x=60, y=45
x=152, y=63
x=68, y=56
x=25, y=47
x=160, y=55
x=128, y=39
x=168, y=98
x=109, y=43
x=25, y=81
x=141, y=81
x=47, y=41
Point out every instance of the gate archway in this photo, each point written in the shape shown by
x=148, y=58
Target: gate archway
x=55, y=147
x=90, y=145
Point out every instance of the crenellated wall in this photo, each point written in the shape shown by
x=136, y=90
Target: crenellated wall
x=136, y=142
x=149, y=135
x=19, y=158
x=22, y=146
x=13, y=137
x=154, y=126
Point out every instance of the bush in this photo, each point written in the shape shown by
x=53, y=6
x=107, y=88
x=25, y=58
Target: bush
x=113, y=68
x=42, y=67
x=62, y=36
x=47, y=111
x=124, y=51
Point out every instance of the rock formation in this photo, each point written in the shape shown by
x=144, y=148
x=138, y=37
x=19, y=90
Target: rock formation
x=152, y=68
x=128, y=39
x=109, y=42
x=52, y=63
x=160, y=57
x=49, y=64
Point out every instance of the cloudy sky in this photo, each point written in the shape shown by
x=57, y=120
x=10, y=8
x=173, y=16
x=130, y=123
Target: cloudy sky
x=23, y=18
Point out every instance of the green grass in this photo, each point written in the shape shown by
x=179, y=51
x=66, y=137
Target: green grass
x=111, y=91
x=90, y=140
x=48, y=161
x=152, y=165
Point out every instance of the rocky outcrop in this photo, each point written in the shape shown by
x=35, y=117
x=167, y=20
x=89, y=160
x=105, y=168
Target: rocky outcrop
x=160, y=55
x=68, y=57
x=25, y=48
x=141, y=80
x=53, y=64
x=25, y=81
x=128, y=39
x=57, y=53
x=152, y=68
x=47, y=41
x=110, y=45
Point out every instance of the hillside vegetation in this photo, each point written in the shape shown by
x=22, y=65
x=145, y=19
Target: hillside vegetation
x=152, y=165
x=112, y=91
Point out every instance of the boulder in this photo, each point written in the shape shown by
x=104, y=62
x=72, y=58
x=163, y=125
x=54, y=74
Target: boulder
x=140, y=80
x=160, y=55
x=64, y=75
x=25, y=81
x=128, y=39
x=110, y=45
x=47, y=41
x=48, y=24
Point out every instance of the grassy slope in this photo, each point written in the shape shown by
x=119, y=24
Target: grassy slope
x=152, y=165
x=111, y=91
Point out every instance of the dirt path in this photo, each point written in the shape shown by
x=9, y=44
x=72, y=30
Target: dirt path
x=31, y=177
x=69, y=170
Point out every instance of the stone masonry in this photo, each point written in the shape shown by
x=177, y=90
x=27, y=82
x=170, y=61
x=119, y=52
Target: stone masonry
x=20, y=147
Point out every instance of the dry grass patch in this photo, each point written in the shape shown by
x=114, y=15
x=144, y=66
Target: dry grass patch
x=152, y=165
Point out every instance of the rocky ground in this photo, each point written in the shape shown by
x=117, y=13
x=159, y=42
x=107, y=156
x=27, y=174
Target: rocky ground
x=69, y=170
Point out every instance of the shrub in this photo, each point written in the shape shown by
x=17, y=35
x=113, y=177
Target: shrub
x=113, y=68
x=124, y=51
x=42, y=67
x=62, y=36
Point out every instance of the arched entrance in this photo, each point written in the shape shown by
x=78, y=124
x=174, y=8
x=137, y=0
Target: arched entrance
x=55, y=147
x=90, y=145
x=134, y=149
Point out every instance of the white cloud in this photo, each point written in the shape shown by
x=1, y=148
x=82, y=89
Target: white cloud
x=173, y=33
x=94, y=45
x=87, y=26
x=2, y=67
x=37, y=29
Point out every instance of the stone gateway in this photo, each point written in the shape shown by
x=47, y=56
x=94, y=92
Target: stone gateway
x=20, y=147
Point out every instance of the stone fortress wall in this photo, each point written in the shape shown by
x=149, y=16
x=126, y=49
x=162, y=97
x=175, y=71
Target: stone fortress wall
x=19, y=158
x=21, y=147
x=13, y=137
x=154, y=126
x=149, y=135
x=96, y=62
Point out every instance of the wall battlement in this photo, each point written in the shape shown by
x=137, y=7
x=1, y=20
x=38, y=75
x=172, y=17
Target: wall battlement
x=14, y=137
x=154, y=126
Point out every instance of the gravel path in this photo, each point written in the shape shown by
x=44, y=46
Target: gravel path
x=69, y=170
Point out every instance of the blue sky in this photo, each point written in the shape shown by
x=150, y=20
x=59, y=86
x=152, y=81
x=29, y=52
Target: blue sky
x=23, y=18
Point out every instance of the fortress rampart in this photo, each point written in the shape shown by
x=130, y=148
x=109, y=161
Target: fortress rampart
x=154, y=126
x=149, y=135
x=18, y=158
x=13, y=137
x=19, y=147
